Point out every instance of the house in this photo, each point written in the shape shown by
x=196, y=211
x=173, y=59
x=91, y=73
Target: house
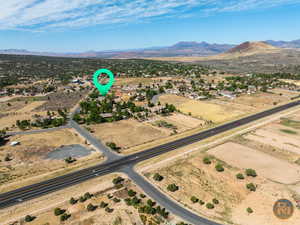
x=227, y=94
x=14, y=143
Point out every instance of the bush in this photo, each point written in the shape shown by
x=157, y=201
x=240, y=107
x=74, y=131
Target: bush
x=194, y=199
x=150, y=203
x=206, y=160
x=251, y=187
x=90, y=207
x=116, y=200
x=158, y=177
x=118, y=180
x=64, y=217
x=131, y=193
x=73, y=201
x=251, y=173
x=172, y=187
x=142, y=196
x=219, y=167
x=249, y=210
x=109, y=210
x=215, y=201
x=29, y=218
x=82, y=199
x=240, y=176
x=87, y=195
x=103, y=204
x=58, y=211
x=201, y=202
x=209, y=205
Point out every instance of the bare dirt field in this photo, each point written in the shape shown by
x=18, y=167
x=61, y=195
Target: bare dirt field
x=22, y=163
x=268, y=166
x=127, y=133
x=203, y=110
x=101, y=188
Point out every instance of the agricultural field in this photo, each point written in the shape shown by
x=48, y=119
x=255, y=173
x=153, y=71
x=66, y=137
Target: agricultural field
x=21, y=164
x=102, y=202
x=204, y=110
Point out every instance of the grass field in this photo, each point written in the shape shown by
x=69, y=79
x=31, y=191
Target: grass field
x=202, y=110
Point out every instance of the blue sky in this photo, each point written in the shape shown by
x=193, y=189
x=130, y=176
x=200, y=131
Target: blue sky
x=83, y=25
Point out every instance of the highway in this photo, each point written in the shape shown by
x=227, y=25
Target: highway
x=117, y=163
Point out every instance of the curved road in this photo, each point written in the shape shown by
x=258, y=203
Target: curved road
x=117, y=163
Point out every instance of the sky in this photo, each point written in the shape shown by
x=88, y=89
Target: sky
x=95, y=25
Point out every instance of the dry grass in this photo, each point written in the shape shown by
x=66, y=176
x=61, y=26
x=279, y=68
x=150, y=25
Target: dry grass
x=127, y=133
x=28, y=164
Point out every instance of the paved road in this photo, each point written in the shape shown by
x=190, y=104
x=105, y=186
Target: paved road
x=117, y=163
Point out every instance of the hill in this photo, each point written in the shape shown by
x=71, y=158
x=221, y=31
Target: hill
x=251, y=48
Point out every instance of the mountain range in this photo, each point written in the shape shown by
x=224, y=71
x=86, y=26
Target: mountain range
x=182, y=49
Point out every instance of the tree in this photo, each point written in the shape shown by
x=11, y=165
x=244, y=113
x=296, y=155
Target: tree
x=118, y=180
x=251, y=187
x=64, y=217
x=206, y=160
x=240, y=176
x=90, y=207
x=215, y=201
x=194, y=199
x=29, y=218
x=249, y=210
x=251, y=172
x=219, y=167
x=103, y=204
x=172, y=187
x=87, y=195
x=158, y=177
x=58, y=211
x=131, y=193
x=73, y=201
x=201, y=202
x=2, y=137
x=209, y=205
x=150, y=203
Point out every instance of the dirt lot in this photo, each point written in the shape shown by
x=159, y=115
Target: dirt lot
x=101, y=188
x=127, y=133
x=243, y=157
x=22, y=163
x=203, y=110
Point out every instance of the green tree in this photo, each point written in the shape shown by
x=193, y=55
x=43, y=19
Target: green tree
x=194, y=199
x=172, y=187
x=240, y=176
x=251, y=187
x=219, y=167
x=251, y=172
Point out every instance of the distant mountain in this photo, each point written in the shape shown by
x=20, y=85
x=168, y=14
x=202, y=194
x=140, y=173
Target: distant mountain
x=285, y=44
x=180, y=49
x=251, y=47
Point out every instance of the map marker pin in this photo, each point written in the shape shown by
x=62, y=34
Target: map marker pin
x=103, y=89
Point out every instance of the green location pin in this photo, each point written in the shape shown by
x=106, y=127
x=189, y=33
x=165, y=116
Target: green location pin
x=103, y=89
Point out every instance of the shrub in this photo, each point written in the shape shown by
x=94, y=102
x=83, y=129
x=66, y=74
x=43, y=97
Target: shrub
x=194, y=199
x=201, y=202
x=142, y=196
x=103, y=204
x=158, y=177
x=82, y=199
x=73, y=201
x=206, y=160
x=249, y=210
x=90, y=207
x=209, y=205
x=219, y=167
x=215, y=201
x=118, y=180
x=240, y=176
x=172, y=187
x=131, y=193
x=150, y=203
x=87, y=195
x=29, y=218
x=251, y=187
x=251, y=173
x=116, y=200
x=109, y=210
x=58, y=211
x=64, y=217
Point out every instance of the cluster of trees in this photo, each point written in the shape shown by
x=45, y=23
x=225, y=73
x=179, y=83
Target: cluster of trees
x=62, y=213
x=50, y=121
